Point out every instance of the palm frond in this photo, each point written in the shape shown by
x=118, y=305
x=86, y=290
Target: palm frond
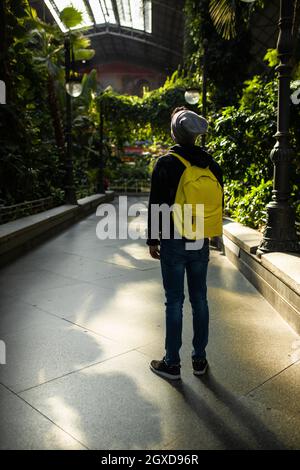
x=223, y=15
x=296, y=20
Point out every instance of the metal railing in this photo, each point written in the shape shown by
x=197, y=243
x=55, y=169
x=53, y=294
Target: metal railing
x=15, y=211
x=131, y=186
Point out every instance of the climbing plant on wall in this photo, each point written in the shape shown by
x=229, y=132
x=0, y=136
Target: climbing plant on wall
x=241, y=139
x=130, y=118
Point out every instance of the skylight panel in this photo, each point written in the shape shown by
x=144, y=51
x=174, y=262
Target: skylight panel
x=108, y=10
x=97, y=11
x=56, y=16
x=103, y=11
x=135, y=14
x=148, y=16
x=124, y=13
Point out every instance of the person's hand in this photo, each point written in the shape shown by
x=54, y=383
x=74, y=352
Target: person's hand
x=154, y=251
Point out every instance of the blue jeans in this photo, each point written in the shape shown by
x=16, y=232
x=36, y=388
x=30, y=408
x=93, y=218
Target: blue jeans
x=175, y=260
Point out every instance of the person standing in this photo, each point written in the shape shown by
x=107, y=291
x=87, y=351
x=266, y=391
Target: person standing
x=175, y=257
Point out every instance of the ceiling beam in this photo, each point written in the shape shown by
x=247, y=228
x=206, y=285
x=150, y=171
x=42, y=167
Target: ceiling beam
x=55, y=7
x=142, y=40
x=90, y=11
x=168, y=7
x=116, y=11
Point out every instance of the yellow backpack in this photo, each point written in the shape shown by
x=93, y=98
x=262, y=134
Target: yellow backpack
x=198, y=199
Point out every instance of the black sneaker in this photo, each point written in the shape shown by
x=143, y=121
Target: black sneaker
x=162, y=369
x=200, y=366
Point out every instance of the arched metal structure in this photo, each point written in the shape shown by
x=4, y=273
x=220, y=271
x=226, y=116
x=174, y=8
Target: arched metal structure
x=154, y=40
x=155, y=37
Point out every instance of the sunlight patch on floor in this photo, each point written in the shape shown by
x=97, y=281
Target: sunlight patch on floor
x=66, y=416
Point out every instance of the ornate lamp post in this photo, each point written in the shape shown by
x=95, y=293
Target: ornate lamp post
x=280, y=232
x=73, y=89
x=192, y=95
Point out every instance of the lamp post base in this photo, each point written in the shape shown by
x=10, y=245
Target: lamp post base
x=280, y=232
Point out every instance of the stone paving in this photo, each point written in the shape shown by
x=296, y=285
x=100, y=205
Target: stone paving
x=82, y=318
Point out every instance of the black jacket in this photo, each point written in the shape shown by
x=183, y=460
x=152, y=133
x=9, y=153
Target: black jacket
x=166, y=176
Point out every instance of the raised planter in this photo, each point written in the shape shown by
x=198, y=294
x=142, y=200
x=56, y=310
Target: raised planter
x=20, y=235
x=15, y=211
x=275, y=275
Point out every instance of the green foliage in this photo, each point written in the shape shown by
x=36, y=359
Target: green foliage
x=242, y=114
x=272, y=57
x=229, y=15
x=223, y=14
x=241, y=140
x=31, y=124
x=228, y=61
x=139, y=169
x=250, y=207
x=29, y=159
x=71, y=17
x=83, y=54
x=130, y=118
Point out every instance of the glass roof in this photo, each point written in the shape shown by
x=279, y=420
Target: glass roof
x=135, y=14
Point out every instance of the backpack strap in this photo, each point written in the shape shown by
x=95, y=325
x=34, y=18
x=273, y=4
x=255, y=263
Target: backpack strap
x=185, y=162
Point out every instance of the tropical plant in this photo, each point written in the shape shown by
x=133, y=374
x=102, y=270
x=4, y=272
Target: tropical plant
x=130, y=118
x=241, y=139
x=48, y=44
x=229, y=16
x=228, y=61
x=32, y=66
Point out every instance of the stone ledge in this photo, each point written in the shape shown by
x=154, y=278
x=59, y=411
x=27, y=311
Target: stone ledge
x=285, y=266
x=275, y=275
x=26, y=224
x=22, y=234
x=246, y=238
x=94, y=199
